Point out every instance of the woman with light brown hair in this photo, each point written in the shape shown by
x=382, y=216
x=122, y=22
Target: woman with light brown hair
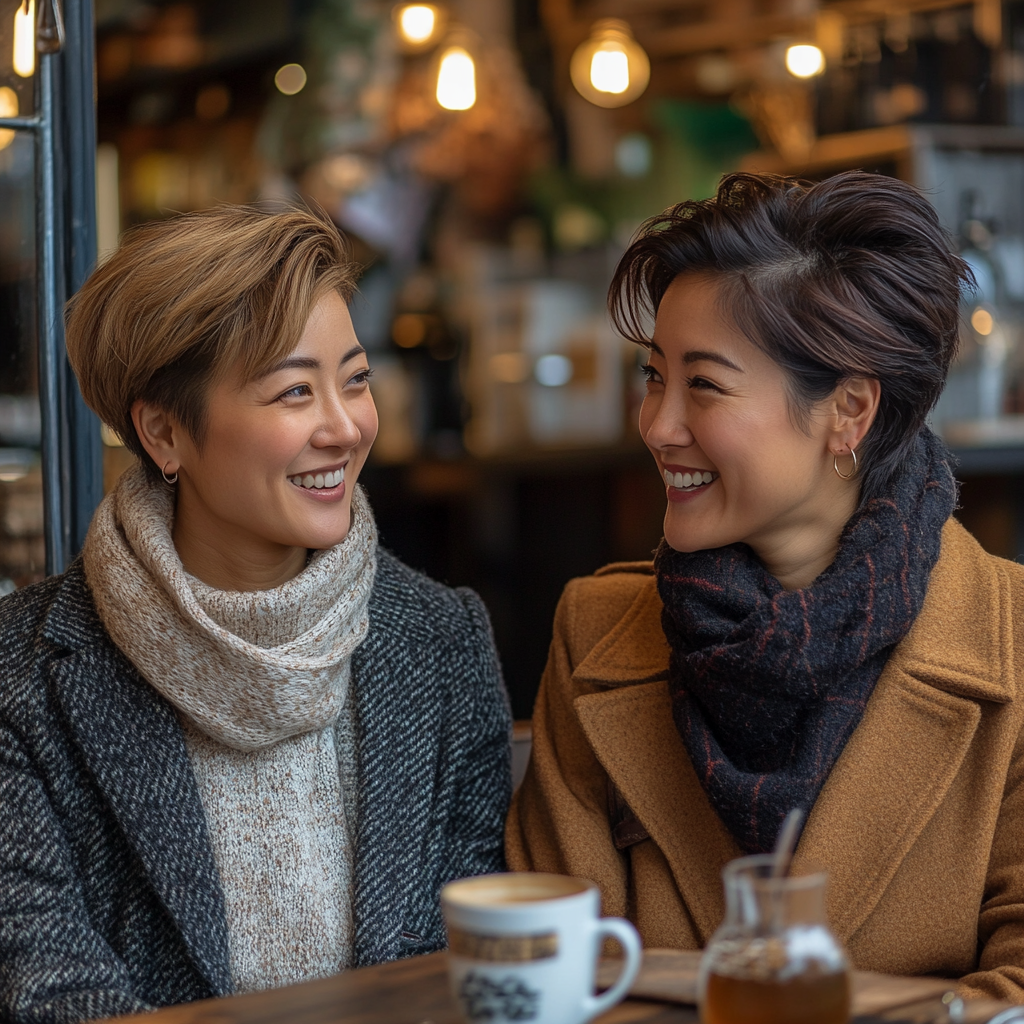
x=241, y=745
x=816, y=631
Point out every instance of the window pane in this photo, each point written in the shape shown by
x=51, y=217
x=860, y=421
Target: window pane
x=22, y=547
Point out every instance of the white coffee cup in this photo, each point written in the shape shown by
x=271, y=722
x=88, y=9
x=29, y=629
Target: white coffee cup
x=524, y=947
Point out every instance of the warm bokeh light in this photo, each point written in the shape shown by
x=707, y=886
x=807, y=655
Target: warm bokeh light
x=8, y=108
x=25, y=39
x=610, y=69
x=290, y=79
x=805, y=60
x=982, y=322
x=456, y=80
x=417, y=22
x=509, y=367
x=212, y=102
x=409, y=330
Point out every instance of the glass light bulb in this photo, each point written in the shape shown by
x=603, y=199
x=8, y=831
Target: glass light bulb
x=804, y=60
x=25, y=39
x=8, y=108
x=456, y=80
x=416, y=23
x=609, y=71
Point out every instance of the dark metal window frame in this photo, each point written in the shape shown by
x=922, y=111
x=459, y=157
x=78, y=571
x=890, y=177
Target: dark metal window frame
x=64, y=125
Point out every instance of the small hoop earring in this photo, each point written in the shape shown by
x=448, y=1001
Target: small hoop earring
x=835, y=466
x=172, y=480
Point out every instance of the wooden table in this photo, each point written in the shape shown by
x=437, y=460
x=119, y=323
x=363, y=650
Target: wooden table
x=415, y=991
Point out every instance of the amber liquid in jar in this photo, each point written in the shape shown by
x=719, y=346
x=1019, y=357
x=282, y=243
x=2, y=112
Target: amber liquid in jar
x=807, y=999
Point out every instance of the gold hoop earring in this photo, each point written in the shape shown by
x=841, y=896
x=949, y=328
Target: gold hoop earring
x=835, y=466
x=172, y=480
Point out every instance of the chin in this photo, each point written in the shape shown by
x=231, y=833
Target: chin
x=324, y=535
x=686, y=538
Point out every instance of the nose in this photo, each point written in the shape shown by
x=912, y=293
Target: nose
x=666, y=425
x=337, y=428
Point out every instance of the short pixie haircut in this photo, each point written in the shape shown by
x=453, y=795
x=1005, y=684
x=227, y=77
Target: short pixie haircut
x=849, y=277
x=185, y=301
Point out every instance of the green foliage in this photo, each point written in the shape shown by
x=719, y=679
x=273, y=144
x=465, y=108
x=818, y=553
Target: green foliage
x=694, y=144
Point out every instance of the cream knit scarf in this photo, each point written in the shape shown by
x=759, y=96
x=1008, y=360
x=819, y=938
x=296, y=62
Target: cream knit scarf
x=260, y=680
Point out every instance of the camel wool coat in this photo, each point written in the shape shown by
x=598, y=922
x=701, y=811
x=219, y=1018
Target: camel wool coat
x=920, y=823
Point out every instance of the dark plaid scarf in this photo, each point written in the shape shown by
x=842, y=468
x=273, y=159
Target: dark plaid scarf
x=768, y=685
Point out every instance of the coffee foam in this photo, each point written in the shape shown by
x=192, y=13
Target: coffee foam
x=513, y=888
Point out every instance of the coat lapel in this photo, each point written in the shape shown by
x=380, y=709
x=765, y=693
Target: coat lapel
x=629, y=725
x=889, y=781
x=634, y=737
x=398, y=752
x=132, y=743
x=916, y=731
x=883, y=791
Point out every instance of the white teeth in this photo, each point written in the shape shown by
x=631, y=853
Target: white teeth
x=320, y=480
x=682, y=481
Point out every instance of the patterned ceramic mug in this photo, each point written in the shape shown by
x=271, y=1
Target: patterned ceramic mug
x=524, y=947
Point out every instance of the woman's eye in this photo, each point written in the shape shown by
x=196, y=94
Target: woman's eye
x=700, y=384
x=299, y=391
x=363, y=377
x=651, y=375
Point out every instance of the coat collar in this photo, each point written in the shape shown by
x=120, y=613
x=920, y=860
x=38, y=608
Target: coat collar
x=132, y=743
x=961, y=642
x=919, y=722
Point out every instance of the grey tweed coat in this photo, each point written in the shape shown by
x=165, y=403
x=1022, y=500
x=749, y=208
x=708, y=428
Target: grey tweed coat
x=110, y=902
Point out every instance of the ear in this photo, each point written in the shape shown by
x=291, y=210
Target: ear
x=854, y=407
x=160, y=435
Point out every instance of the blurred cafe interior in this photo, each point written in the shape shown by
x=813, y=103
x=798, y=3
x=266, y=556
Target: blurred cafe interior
x=489, y=160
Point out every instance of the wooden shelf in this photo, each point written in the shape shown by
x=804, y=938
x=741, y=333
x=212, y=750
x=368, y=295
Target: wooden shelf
x=902, y=144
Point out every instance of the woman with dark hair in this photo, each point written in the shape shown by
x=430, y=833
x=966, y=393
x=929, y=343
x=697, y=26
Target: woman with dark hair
x=241, y=744
x=815, y=630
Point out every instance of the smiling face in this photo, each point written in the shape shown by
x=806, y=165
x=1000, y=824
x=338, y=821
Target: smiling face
x=280, y=456
x=737, y=468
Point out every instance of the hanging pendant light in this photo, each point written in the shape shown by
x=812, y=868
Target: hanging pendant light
x=456, y=79
x=25, y=39
x=805, y=60
x=419, y=26
x=610, y=69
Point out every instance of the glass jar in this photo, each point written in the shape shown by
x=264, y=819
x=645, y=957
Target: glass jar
x=774, y=959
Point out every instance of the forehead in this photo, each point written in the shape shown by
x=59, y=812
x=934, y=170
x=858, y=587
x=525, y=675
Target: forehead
x=692, y=312
x=326, y=337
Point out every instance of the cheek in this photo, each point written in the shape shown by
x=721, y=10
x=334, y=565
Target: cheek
x=256, y=446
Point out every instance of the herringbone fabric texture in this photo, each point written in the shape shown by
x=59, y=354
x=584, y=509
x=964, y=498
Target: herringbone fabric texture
x=109, y=897
x=768, y=685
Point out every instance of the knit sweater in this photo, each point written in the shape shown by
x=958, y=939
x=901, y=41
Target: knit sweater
x=259, y=679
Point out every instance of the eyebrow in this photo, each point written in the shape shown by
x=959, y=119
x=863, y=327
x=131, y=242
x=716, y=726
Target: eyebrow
x=696, y=356
x=309, y=363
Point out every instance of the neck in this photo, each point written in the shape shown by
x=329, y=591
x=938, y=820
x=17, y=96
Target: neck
x=228, y=559
x=796, y=555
